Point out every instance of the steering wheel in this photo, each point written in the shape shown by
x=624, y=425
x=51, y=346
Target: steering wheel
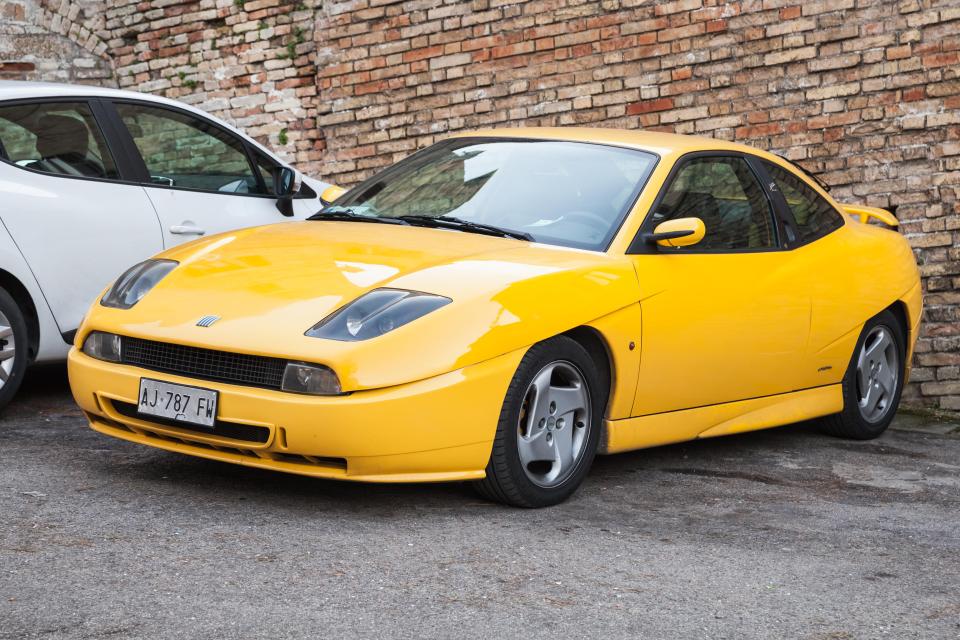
x=594, y=219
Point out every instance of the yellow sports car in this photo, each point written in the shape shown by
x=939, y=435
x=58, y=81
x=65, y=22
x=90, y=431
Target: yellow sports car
x=502, y=306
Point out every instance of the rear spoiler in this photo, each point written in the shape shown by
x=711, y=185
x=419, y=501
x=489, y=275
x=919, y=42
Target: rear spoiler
x=864, y=214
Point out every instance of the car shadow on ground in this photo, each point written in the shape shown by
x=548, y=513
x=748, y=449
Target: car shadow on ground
x=622, y=473
x=755, y=457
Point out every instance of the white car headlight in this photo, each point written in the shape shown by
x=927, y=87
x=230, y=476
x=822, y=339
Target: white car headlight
x=376, y=313
x=136, y=282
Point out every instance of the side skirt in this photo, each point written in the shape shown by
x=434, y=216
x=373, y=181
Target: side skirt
x=720, y=419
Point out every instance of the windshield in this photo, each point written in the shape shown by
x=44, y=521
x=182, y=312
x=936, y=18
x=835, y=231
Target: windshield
x=572, y=194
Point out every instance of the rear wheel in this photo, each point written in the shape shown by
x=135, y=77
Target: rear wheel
x=873, y=381
x=549, y=427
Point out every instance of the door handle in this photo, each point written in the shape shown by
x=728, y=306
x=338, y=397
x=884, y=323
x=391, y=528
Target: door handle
x=187, y=229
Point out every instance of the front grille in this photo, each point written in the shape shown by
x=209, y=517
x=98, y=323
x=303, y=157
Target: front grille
x=206, y=364
x=232, y=430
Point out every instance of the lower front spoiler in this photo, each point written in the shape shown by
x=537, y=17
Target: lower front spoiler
x=439, y=429
x=362, y=469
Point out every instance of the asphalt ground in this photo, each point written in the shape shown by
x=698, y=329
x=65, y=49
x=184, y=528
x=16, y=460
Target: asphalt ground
x=783, y=533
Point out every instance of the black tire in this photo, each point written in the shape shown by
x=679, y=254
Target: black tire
x=506, y=480
x=21, y=341
x=850, y=423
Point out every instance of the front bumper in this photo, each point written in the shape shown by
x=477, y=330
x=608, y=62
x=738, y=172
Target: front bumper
x=438, y=429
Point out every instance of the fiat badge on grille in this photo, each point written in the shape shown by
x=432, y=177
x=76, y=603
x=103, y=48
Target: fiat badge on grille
x=206, y=321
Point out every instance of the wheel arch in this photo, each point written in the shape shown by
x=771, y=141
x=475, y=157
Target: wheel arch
x=23, y=299
x=596, y=345
x=899, y=310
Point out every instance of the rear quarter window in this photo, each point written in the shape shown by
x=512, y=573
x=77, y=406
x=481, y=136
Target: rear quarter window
x=815, y=216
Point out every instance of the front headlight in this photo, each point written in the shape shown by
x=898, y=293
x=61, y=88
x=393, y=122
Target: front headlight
x=315, y=379
x=103, y=346
x=136, y=282
x=376, y=313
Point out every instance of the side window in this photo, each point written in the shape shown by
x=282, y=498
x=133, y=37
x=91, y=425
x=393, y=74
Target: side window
x=725, y=194
x=187, y=152
x=815, y=216
x=62, y=138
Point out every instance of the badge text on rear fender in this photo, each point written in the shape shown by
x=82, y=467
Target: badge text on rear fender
x=177, y=402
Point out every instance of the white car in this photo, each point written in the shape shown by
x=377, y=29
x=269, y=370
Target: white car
x=94, y=180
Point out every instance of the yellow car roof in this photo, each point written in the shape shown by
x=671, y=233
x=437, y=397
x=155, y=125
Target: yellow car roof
x=658, y=142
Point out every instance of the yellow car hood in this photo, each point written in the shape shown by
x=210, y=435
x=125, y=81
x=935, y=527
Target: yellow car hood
x=270, y=284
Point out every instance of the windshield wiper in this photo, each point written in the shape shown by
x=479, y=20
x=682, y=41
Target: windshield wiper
x=449, y=222
x=349, y=215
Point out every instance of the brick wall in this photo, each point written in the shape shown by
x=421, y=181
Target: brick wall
x=864, y=92
x=37, y=43
x=249, y=62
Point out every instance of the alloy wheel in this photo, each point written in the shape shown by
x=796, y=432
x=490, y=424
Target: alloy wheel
x=878, y=367
x=554, y=424
x=7, y=349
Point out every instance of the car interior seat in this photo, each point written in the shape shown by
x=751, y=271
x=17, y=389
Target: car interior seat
x=63, y=145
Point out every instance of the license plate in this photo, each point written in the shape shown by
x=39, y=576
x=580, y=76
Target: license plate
x=177, y=402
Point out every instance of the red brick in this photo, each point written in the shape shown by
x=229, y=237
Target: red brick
x=714, y=26
x=647, y=106
x=914, y=94
x=789, y=13
x=941, y=59
x=422, y=53
x=759, y=131
x=16, y=67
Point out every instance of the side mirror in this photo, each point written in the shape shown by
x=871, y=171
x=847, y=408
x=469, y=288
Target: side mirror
x=286, y=184
x=679, y=232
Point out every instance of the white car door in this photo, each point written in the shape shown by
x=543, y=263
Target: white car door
x=64, y=203
x=203, y=178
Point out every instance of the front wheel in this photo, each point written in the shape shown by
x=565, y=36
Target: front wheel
x=873, y=381
x=14, y=343
x=549, y=427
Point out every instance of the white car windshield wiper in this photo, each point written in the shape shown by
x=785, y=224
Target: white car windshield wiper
x=344, y=214
x=449, y=222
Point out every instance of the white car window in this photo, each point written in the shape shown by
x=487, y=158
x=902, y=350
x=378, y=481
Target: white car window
x=189, y=153
x=268, y=169
x=55, y=137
